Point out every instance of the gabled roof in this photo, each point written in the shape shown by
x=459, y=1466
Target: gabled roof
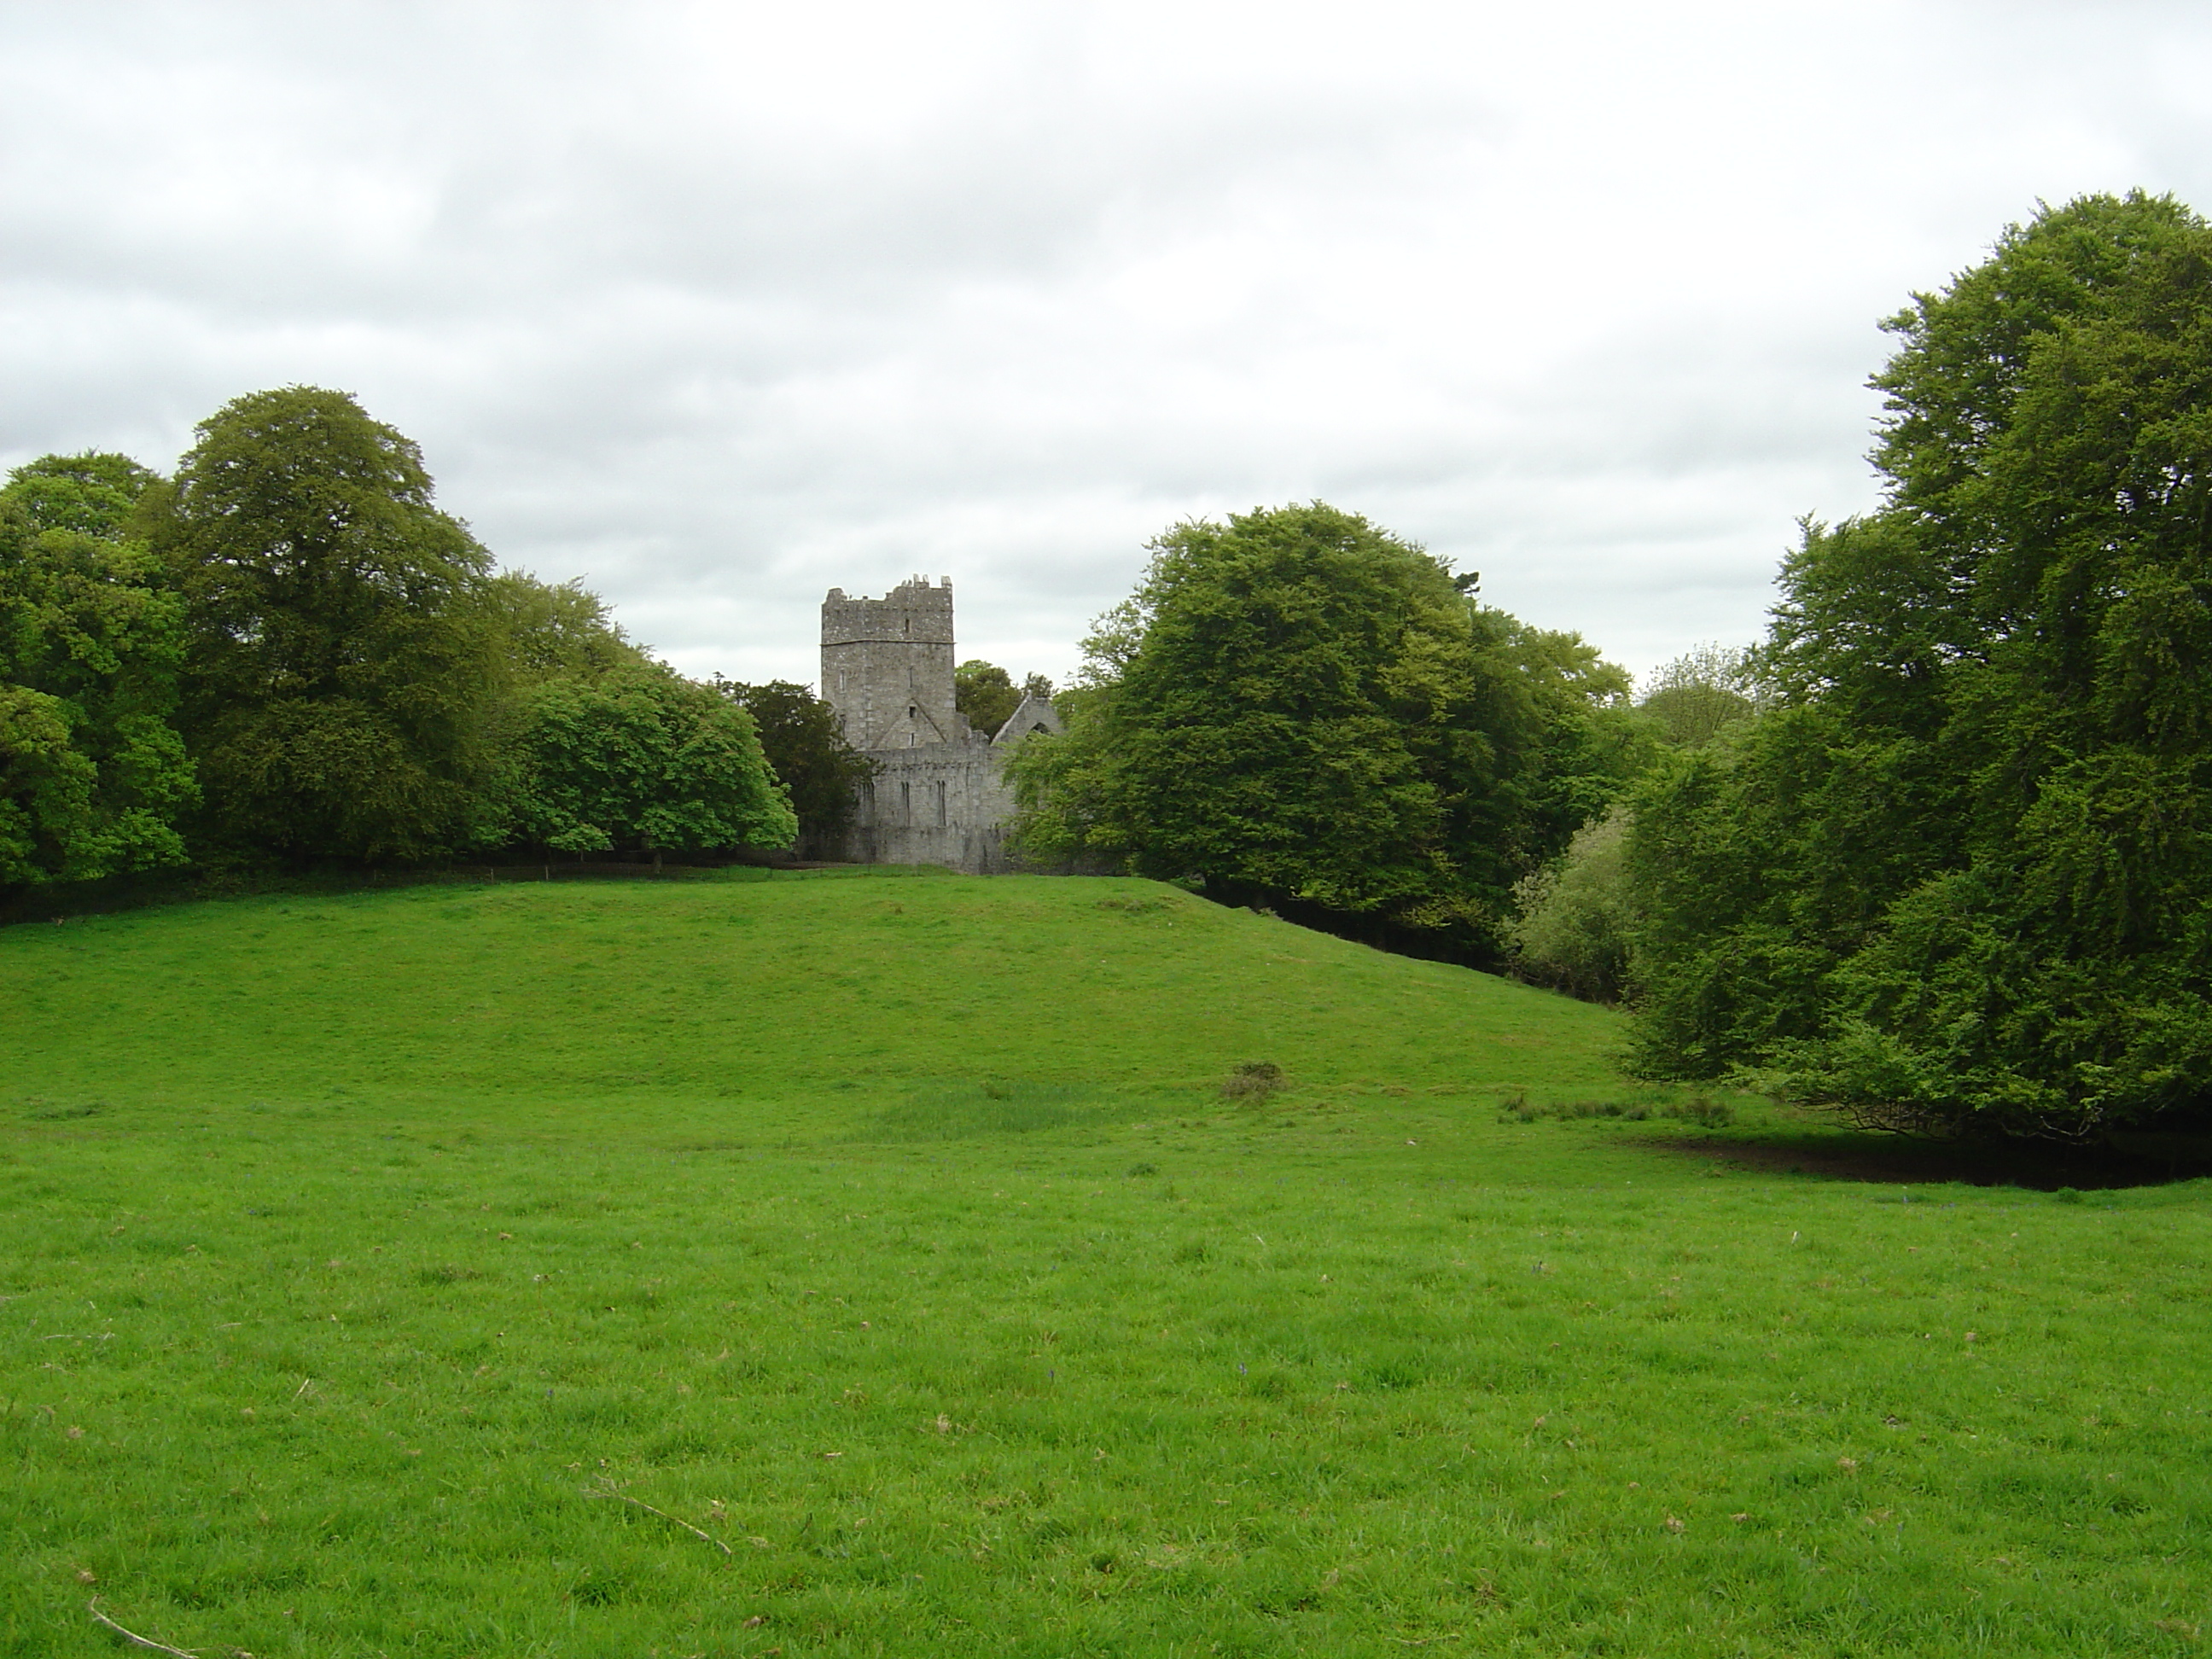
x=1035, y=714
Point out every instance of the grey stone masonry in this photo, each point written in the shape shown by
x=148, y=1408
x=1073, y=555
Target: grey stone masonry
x=887, y=666
x=941, y=796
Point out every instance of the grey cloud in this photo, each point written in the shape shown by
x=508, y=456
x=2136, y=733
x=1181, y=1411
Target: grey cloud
x=723, y=306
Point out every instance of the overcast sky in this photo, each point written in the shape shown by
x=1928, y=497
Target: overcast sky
x=720, y=305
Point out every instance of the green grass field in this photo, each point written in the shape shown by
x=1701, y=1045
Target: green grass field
x=412, y=1273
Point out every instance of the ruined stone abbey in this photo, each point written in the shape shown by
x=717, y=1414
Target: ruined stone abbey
x=940, y=796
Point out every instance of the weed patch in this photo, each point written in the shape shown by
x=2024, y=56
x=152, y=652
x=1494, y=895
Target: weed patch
x=1254, y=1081
x=45, y=1111
x=1699, y=1110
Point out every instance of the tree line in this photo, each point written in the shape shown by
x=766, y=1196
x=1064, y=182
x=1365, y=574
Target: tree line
x=1942, y=862
x=286, y=653
x=1934, y=853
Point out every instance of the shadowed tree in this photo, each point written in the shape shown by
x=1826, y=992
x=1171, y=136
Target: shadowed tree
x=986, y=693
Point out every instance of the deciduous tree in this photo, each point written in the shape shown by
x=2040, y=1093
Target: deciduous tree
x=1961, y=879
x=1702, y=693
x=1298, y=709
x=93, y=775
x=1573, y=925
x=639, y=757
x=805, y=742
x=986, y=693
x=547, y=630
x=342, y=654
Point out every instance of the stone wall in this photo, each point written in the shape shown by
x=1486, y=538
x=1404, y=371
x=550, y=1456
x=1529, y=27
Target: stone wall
x=943, y=803
x=946, y=803
x=941, y=796
x=887, y=666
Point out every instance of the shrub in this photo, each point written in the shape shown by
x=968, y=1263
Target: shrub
x=1573, y=925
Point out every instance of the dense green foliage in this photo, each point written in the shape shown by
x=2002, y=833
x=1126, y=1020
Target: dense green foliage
x=639, y=757
x=91, y=494
x=548, y=629
x=986, y=693
x=986, y=696
x=805, y=742
x=289, y=656
x=1297, y=707
x=1960, y=879
x=1576, y=918
x=92, y=774
x=1701, y=694
x=349, y=1243
x=1573, y=925
x=340, y=661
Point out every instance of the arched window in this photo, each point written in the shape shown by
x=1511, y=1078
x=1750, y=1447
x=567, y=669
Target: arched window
x=906, y=803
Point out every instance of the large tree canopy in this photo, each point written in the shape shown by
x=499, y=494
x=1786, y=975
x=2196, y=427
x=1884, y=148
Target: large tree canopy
x=1297, y=706
x=641, y=758
x=986, y=693
x=1961, y=876
x=91, y=494
x=342, y=651
x=805, y=742
x=548, y=630
x=292, y=621
x=92, y=773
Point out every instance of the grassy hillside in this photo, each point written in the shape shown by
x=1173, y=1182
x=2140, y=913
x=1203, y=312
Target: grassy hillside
x=749, y=989
x=412, y=1274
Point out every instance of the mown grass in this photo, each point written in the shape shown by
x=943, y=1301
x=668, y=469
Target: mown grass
x=896, y=1235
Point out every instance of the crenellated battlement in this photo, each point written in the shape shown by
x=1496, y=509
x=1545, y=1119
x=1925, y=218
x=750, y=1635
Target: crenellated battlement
x=917, y=610
x=887, y=666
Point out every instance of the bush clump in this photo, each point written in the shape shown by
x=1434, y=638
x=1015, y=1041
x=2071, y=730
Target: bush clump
x=1571, y=927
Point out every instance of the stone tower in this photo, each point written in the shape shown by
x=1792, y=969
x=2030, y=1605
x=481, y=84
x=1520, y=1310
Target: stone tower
x=887, y=666
x=941, y=794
